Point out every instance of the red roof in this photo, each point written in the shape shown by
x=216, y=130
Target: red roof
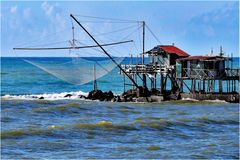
x=173, y=50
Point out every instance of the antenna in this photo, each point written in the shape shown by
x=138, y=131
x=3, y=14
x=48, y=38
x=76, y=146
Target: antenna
x=221, y=51
x=211, y=54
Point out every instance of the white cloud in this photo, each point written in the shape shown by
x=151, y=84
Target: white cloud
x=13, y=9
x=48, y=9
x=54, y=16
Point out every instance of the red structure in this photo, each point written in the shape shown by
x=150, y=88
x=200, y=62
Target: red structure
x=168, y=54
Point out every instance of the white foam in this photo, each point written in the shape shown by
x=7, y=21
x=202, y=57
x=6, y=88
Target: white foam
x=213, y=101
x=190, y=99
x=52, y=96
x=216, y=101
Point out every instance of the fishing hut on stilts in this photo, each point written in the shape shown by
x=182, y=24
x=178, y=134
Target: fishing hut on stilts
x=160, y=67
x=208, y=77
x=166, y=72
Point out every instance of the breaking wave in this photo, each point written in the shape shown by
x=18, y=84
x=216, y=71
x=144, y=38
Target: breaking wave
x=47, y=96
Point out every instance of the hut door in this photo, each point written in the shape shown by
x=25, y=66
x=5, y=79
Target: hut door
x=178, y=69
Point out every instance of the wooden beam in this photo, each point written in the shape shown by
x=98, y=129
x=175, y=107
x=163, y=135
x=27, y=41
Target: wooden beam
x=77, y=47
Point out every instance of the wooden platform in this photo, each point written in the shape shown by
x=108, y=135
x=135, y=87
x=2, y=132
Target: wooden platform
x=228, y=97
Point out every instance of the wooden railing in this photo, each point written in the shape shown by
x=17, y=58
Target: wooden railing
x=150, y=68
x=232, y=72
x=208, y=73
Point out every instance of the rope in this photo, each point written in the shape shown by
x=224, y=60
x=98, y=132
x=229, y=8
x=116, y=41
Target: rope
x=123, y=39
x=153, y=34
x=115, y=31
x=35, y=40
x=114, y=46
x=114, y=19
x=48, y=44
x=103, y=22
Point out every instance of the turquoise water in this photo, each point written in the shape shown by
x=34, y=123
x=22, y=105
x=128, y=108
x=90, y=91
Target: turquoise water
x=19, y=78
x=74, y=129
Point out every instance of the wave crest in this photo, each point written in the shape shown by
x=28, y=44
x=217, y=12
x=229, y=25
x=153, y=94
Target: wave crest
x=50, y=96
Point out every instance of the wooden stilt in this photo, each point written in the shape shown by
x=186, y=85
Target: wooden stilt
x=124, y=83
x=155, y=81
x=220, y=86
x=234, y=86
x=203, y=86
x=194, y=86
x=208, y=86
x=161, y=83
x=214, y=84
x=181, y=85
x=199, y=86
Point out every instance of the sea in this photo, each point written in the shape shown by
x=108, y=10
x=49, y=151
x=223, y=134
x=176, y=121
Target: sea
x=59, y=127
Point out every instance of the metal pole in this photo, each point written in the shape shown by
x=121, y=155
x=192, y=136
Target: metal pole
x=104, y=50
x=143, y=50
x=73, y=40
x=143, y=45
x=94, y=77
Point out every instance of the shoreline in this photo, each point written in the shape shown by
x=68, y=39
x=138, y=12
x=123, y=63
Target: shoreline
x=141, y=100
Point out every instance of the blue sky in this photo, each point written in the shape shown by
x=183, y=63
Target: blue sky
x=195, y=27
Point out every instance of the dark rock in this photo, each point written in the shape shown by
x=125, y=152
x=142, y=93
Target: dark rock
x=143, y=92
x=82, y=96
x=98, y=94
x=119, y=99
x=128, y=94
x=154, y=91
x=107, y=96
x=102, y=96
x=114, y=99
x=41, y=98
x=110, y=94
x=68, y=95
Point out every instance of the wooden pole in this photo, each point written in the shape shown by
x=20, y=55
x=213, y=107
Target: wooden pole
x=124, y=87
x=143, y=50
x=208, y=86
x=104, y=51
x=161, y=84
x=94, y=78
x=227, y=86
x=204, y=86
x=220, y=86
x=73, y=47
x=155, y=81
x=234, y=86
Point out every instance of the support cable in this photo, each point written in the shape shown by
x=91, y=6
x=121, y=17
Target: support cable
x=153, y=34
x=105, y=51
x=114, y=19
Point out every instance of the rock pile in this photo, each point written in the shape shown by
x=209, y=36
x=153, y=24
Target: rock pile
x=99, y=95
